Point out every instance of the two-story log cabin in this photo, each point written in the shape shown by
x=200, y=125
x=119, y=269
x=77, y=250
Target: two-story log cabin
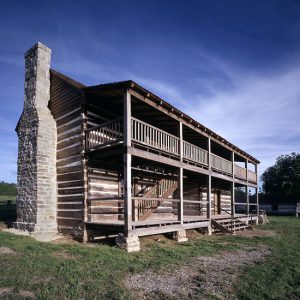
x=126, y=162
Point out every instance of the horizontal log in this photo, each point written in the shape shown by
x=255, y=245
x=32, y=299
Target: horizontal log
x=68, y=118
x=69, y=161
x=105, y=217
x=69, y=152
x=74, y=183
x=69, y=126
x=106, y=210
x=69, y=198
x=70, y=169
x=70, y=214
x=70, y=176
x=71, y=191
x=69, y=142
x=70, y=222
x=70, y=206
x=102, y=195
x=73, y=132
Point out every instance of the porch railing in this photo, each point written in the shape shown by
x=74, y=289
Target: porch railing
x=252, y=176
x=240, y=172
x=152, y=136
x=148, y=135
x=221, y=164
x=104, y=134
x=194, y=153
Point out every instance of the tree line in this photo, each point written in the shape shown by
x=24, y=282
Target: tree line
x=8, y=189
x=283, y=178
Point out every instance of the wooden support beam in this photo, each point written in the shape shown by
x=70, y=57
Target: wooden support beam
x=257, y=190
x=127, y=163
x=175, y=163
x=247, y=187
x=180, y=187
x=233, y=187
x=209, y=181
x=180, y=174
x=168, y=228
x=85, y=170
x=180, y=133
x=247, y=198
x=233, y=199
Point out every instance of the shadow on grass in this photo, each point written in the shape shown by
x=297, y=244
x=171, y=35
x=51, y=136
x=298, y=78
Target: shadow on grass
x=8, y=214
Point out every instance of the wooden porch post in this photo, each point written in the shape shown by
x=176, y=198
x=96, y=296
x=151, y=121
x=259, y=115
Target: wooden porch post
x=209, y=182
x=180, y=175
x=247, y=187
x=233, y=188
x=257, y=200
x=85, y=171
x=127, y=163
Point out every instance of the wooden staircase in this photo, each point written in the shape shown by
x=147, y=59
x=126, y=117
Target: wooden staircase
x=229, y=225
x=155, y=208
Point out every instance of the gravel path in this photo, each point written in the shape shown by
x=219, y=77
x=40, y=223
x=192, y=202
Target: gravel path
x=201, y=278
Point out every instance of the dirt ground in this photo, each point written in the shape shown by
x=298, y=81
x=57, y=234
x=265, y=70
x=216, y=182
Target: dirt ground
x=256, y=233
x=203, y=276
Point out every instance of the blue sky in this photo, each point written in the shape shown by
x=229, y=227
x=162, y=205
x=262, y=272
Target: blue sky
x=232, y=65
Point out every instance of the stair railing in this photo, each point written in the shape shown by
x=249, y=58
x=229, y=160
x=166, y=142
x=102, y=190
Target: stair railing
x=160, y=190
x=226, y=211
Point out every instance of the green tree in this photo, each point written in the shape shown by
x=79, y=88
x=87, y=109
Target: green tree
x=283, y=179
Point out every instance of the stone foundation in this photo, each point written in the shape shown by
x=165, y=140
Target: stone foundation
x=37, y=187
x=209, y=230
x=180, y=236
x=130, y=244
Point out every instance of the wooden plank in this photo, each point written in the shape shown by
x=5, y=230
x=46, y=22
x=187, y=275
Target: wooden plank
x=70, y=176
x=66, y=184
x=69, y=169
x=209, y=181
x=72, y=198
x=127, y=162
x=69, y=142
x=69, y=152
x=167, y=228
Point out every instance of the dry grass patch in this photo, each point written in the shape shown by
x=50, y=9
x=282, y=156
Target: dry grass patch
x=6, y=250
x=5, y=291
x=27, y=294
x=203, y=276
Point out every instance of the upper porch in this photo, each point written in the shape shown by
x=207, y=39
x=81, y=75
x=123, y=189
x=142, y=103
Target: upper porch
x=151, y=128
x=157, y=142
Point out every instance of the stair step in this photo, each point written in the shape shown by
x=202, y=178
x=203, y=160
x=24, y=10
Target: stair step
x=231, y=225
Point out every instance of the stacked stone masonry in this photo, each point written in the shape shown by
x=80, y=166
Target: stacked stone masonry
x=37, y=188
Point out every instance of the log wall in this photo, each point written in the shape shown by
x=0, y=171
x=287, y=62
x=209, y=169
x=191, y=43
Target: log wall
x=65, y=104
x=104, y=193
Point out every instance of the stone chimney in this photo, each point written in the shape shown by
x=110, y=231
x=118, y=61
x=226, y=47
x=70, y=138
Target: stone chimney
x=37, y=185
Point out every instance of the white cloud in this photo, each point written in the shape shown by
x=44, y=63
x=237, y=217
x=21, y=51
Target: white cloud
x=257, y=112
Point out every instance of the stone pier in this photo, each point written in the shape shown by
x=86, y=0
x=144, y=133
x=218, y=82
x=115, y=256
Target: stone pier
x=37, y=186
x=180, y=236
x=130, y=244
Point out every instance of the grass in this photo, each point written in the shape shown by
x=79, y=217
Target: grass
x=73, y=271
x=279, y=276
x=5, y=198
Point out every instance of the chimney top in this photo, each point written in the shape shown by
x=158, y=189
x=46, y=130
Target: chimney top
x=35, y=47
